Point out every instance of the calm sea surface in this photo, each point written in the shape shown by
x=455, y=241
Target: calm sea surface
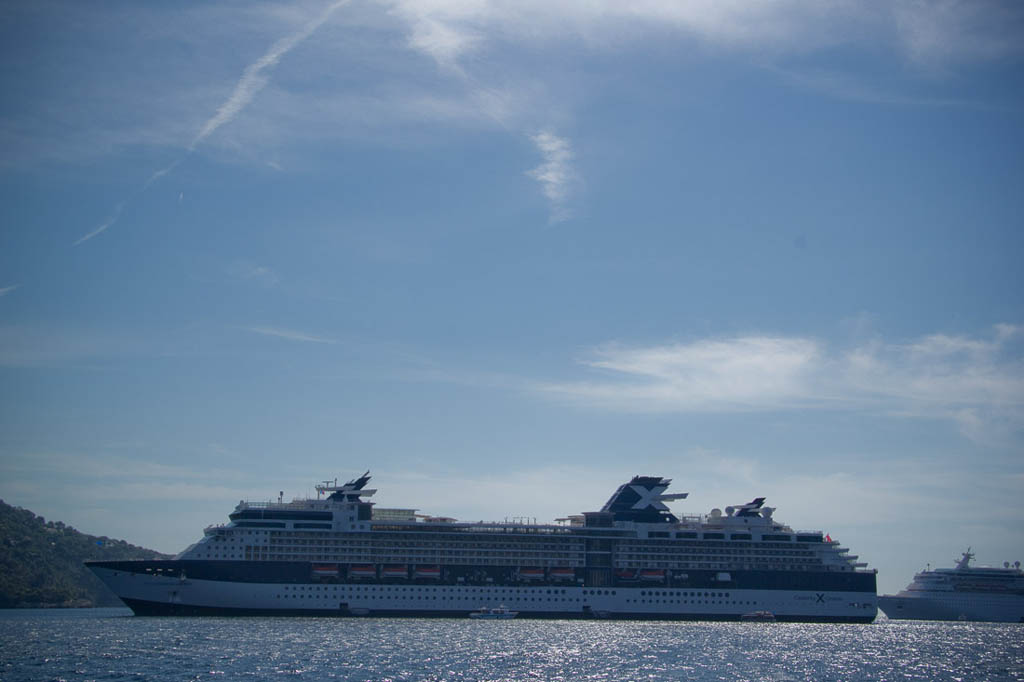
x=111, y=644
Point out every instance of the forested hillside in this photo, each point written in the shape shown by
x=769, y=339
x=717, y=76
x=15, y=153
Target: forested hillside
x=41, y=562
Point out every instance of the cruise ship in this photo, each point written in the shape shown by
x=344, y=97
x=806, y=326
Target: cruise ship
x=340, y=555
x=964, y=592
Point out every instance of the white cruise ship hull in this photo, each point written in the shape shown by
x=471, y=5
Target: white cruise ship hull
x=341, y=556
x=148, y=594
x=998, y=608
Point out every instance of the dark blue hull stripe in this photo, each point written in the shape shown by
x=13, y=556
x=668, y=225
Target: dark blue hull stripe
x=149, y=608
x=301, y=573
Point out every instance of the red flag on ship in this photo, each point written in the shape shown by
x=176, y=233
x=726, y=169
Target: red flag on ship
x=828, y=538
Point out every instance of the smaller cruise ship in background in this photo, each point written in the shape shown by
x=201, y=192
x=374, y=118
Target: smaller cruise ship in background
x=964, y=592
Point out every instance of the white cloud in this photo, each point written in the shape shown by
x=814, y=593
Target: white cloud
x=289, y=334
x=476, y=36
x=556, y=174
x=756, y=372
x=443, y=41
x=6, y=290
x=976, y=383
x=924, y=29
x=940, y=31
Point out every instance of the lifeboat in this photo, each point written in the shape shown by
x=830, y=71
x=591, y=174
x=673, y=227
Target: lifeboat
x=326, y=570
x=362, y=571
x=428, y=572
x=395, y=571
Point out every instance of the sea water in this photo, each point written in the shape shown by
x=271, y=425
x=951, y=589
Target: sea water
x=111, y=644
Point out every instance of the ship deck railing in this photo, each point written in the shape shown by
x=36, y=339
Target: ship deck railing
x=294, y=504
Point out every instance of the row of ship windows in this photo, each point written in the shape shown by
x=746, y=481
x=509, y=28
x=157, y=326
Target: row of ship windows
x=567, y=599
x=665, y=561
x=448, y=538
x=534, y=546
x=506, y=550
x=560, y=558
x=503, y=591
x=299, y=539
x=403, y=559
x=560, y=550
x=417, y=540
x=384, y=552
x=786, y=550
x=410, y=555
x=692, y=562
x=524, y=557
x=425, y=557
x=622, y=548
x=400, y=531
x=562, y=562
x=719, y=556
x=791, y=564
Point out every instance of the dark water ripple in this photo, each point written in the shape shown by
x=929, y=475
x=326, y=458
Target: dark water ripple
x=109, y=644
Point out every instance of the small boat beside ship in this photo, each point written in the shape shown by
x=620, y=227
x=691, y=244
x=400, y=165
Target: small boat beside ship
x=493, y=613
x=758, y=617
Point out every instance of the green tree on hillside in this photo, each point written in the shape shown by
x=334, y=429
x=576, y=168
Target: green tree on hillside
x=41, y=562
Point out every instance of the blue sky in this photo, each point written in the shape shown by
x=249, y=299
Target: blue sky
x=508, y=254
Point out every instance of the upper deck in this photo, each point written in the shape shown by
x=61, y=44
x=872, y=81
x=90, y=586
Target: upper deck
x=634, y=530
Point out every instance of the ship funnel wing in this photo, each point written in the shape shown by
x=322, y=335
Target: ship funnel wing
x=751, y=508
x=351, y=491
x=643, y=500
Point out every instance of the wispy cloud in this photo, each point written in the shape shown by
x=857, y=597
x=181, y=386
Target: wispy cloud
x=556, y=174
x=175, y=108
x=91, y=481
x=254, y=79
x=845, y=87
x=926, y=30
x=106, y=224
x=160, y=173
x=247, y=270
x=977, y=383
x=754, y=372
x=942, y=31
x=289, y=334
x=6, y=290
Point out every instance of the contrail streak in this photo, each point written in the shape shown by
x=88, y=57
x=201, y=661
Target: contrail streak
x=253, y=80
x=110, y=221
x=160, y=173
